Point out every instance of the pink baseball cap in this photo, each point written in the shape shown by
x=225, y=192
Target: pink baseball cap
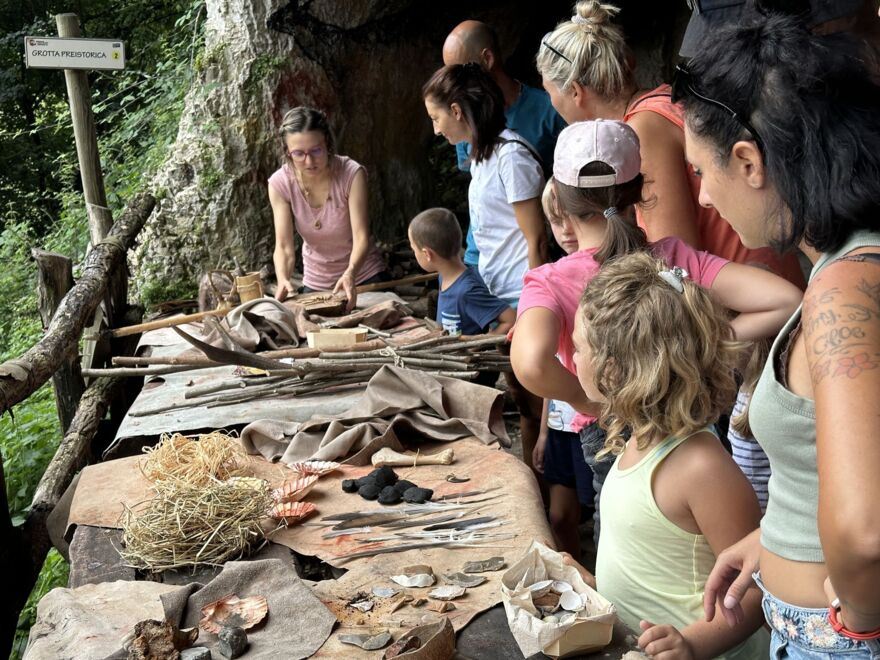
x=606, y=141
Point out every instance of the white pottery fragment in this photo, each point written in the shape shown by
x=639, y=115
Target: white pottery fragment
x=419, y=580
x=385, y=592
x=447, y=592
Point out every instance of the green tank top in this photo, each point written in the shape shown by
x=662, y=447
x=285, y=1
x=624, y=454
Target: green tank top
x=785, y=426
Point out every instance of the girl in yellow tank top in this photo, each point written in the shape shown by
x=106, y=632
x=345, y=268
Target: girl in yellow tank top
x=658, y=352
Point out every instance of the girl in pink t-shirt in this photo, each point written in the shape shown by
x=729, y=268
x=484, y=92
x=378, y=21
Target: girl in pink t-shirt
x=323, y=196
x=598, y=183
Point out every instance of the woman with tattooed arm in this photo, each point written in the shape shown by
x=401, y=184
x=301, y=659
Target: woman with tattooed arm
x=784, y=128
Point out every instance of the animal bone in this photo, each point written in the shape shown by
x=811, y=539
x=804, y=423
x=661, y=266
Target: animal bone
x=387, y=456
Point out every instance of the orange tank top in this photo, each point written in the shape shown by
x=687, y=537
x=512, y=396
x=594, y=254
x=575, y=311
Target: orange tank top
x=716, y=235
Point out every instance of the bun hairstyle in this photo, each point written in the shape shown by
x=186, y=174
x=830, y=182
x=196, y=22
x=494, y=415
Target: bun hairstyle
x=622, y=235
x=589, y=49
x=664, y=359
x=303, y=119
x=818, y=112
x=480, y=100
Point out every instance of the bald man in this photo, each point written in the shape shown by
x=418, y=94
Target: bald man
x=528, y=110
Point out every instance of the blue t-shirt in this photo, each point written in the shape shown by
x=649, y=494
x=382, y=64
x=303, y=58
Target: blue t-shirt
x=536, y=120
x=467, y=307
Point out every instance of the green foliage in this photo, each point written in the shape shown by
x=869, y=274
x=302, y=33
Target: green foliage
x=156, y=291
x=136, y=113
x=54, y=574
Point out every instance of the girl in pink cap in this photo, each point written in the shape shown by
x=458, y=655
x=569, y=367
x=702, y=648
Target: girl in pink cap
x=598, y=183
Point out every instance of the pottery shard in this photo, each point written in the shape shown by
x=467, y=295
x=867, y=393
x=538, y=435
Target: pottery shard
x=464, y=580
x=484, y=565
x=442, y=607
x=367, y=642
x=448, y=592
x=403, y=645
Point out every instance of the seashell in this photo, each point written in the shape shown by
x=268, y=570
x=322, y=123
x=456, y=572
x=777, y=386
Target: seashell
x=295, y=489
x=549, y=601
x=567, y=617
x=318, y=468
x=571, y=601
x=419, y=580
x=463, y=580
x=292, y=512
x=448, y=592
x=560, y=586
x=540, y=588
x=367, y=642
x=233, y=611
x=551, y=619
x=484, y=565
x=253, y=483
x=385, y=592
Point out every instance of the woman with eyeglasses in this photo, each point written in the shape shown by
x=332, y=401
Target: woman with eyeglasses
x=587, y=69
x=784, y=129
x=322, y=196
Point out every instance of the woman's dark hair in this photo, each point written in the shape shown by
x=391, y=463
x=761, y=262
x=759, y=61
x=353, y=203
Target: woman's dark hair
x=480, y=100
x=818, y=114
x=303, y=119
x=623, y=235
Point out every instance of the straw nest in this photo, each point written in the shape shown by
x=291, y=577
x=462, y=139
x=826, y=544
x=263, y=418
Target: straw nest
x=203, y=512
x=190, y=525
x=197, y=461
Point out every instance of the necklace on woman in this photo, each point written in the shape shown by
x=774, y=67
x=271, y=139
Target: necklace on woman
x=318, y=215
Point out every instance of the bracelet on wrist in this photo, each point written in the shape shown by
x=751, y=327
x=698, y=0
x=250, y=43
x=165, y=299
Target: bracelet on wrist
x=834, y=613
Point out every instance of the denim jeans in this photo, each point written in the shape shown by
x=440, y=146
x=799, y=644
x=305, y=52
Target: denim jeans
x=801, y=633
x=592, y=440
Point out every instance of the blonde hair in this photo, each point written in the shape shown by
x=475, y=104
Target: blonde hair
x=664, y=360
x=550, y=204
x=588, y=49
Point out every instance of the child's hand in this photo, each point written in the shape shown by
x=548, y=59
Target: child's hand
x=586, y=576
x=538, y=453
x=664, y=642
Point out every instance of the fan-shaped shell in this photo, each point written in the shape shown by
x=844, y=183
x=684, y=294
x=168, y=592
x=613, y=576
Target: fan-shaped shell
x=295, y=489
x=540, y=588
x=233, y=611
x=571, y=601
x=292, y=512
x=319, y=468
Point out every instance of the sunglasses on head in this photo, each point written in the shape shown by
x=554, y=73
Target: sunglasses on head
x=683, y=85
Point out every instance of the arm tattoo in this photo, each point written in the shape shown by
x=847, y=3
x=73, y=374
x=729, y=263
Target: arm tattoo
x=838, y=334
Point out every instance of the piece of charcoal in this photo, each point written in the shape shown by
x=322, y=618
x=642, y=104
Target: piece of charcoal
x=369, y=492
x=403, y=485
x=389, y=495
x=233, y=642
x=368, y=480
x=384, y=476
x=350, y=485
x=417, y=495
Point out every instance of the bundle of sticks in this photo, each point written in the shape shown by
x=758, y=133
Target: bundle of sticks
x=440, y=355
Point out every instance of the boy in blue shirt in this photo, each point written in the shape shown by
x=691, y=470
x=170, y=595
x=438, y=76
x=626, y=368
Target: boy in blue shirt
x=465, y=306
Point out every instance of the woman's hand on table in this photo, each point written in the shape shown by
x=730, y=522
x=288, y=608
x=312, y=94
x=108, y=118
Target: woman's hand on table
x=347, y=286
x=284, y=290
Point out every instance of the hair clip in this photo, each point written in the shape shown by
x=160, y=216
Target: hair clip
x=581, y=20
x=611, y=210
x=674, y=277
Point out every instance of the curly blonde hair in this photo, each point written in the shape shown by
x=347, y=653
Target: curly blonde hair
x=664, y=360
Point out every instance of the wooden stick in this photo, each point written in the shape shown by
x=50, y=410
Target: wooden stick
x=472, y=343
x=166, y=323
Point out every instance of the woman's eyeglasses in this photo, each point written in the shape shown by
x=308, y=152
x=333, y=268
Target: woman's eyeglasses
x=298, y=155
x=683, y=85
x=546, y=44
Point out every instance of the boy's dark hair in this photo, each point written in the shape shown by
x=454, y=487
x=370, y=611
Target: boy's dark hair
x=817, y=112
x=480, y=100
x=623, y=235
x=437, y=229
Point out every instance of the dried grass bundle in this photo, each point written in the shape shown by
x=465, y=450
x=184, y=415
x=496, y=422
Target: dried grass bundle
x=191, y=525
x=198, y=461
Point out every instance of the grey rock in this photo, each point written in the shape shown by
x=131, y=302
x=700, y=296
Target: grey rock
x=367, y=642
x=196, y=653
x=484, y=565
x=232, y=642
x=464, y=580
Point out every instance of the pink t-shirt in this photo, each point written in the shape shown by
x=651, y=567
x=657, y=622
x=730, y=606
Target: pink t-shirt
x=559, y=286
x=326, y=232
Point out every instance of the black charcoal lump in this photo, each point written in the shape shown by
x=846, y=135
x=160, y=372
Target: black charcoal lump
x=389, y=495
x=417, y=495
x=350, y=485
x=369, y=491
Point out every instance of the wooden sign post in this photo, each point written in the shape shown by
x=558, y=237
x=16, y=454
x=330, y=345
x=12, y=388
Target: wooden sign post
x=76, y=56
